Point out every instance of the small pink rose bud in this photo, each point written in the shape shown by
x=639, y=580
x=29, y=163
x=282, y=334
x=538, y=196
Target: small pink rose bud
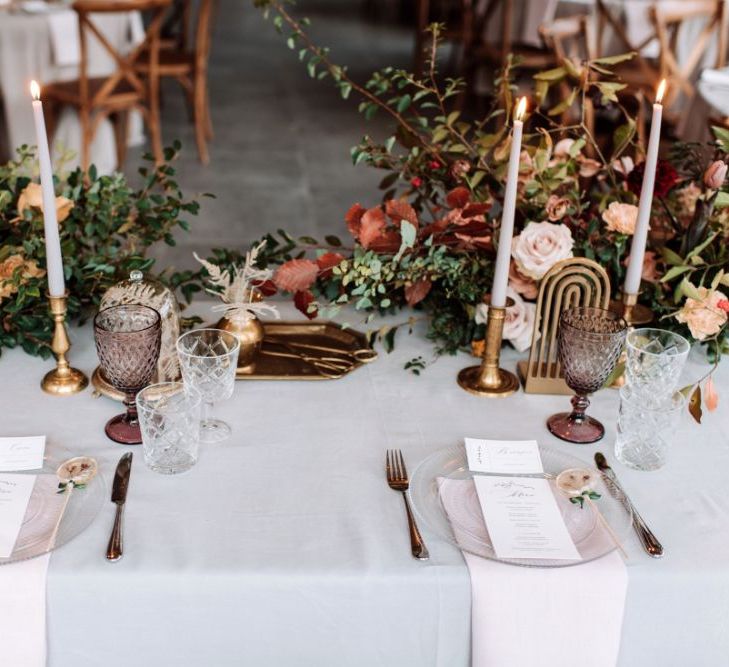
x=715, y=175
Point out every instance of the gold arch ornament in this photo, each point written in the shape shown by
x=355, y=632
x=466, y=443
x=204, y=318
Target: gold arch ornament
x=573, y=282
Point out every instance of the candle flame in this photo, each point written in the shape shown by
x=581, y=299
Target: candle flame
x=520, y=109
x=661, y=91
x=35, y=90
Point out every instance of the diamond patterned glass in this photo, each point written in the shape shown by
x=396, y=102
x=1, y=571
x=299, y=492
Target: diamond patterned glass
x=170, y=420
x=590, y=341
x=645, y=430
x=127, y=342
x=208, y=359
x=654, y=361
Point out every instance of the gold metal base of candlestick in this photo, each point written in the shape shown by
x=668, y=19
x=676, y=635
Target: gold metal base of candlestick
x=469, y=379
x=63, y=380
x=488, y=379
x=64, y=383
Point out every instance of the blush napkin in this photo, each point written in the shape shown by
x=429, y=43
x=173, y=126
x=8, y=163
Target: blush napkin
x=23, y=584
x=551, y=617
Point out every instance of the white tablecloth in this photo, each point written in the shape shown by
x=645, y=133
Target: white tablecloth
x=26, y=52
x=285, y=546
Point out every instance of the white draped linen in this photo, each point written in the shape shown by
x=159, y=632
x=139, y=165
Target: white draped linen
x=45, y=47
x=284, y=546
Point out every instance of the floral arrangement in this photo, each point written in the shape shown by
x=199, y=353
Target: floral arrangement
x=106, y=229
x=238, y=287
x=431, y=243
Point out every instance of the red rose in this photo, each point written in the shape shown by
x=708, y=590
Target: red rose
x=666, y=178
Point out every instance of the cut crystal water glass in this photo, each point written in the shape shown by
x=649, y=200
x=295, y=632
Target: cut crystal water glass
x=169, y=415
x=654, y=361
x=208, y=360
x=589, y=341
x=645, y=429
x=128, y=342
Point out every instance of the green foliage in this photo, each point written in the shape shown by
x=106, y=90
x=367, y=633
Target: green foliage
x=108, y=232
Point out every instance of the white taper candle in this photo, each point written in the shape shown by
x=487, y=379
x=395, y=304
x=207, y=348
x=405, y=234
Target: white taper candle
x=54, y=258
x=642, y=225
x=506, y=232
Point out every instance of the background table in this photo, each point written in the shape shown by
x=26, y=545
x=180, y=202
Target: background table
x=26, y=53
x=284, y=546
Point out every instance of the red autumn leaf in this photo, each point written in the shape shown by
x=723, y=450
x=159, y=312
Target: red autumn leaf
x=353, y=218
x=417, y=291
x=399, y=210
x=372, y=226
x=387, y=242
x=473, y=210
x=265, y=287
x=296, y=275
x=302, y=301
x=458, y=197
x=327, y=261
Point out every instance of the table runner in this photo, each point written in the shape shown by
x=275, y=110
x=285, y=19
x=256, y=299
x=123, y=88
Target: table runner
x=551, y=617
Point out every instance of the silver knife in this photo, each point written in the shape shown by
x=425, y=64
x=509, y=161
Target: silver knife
x=119, y=496
x=652, y=546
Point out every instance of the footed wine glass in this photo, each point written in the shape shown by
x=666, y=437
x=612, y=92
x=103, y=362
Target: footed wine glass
x=209, y=359
x=590, y=341
x=128, y=344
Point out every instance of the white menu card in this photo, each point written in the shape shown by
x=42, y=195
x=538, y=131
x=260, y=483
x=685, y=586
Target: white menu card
x=523, y=519
x=22, y=453
x=503, y=456
x=15, y=491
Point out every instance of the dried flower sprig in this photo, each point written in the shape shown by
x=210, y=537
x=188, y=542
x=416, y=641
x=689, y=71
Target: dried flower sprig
x=236, y=287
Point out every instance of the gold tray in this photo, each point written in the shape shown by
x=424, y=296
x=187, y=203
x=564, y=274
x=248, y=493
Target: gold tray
x=320, y=334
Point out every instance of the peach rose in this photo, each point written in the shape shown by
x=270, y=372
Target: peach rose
x=540, y=246
x=8, y=267
x=715, y=174
x=521, y=284
x=518, y=322
x=620, y=217
x=556, y=207
x=32, y=196
x=703, y=316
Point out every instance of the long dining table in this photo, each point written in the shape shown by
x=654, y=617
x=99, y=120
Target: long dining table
x=284, y=545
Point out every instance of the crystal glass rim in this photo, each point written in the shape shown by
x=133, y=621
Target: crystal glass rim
x=158, y=318
x=685, y=345
x=601, y=311
x=235, y=348
x=190, y=393
x=678, y=401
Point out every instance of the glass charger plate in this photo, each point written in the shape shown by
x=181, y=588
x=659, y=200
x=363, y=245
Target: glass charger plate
x=590, y=538
x=45, y=507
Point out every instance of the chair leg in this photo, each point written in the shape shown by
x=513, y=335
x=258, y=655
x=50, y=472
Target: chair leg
x=208, y=119
x=86, y=134
x=200, y=108
x=119, y=121
x=153, y=122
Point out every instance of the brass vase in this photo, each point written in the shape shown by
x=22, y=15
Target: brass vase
x=248, y=329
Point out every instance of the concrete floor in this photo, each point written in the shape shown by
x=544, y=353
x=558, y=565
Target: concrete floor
x=280, y=156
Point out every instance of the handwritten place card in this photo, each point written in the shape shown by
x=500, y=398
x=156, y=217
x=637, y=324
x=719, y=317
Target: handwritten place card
x=22, y=453
x=15, y=493
x=523, y=519
x=506, y=457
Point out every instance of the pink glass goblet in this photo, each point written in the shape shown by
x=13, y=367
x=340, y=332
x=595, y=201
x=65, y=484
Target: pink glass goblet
x=128, y=344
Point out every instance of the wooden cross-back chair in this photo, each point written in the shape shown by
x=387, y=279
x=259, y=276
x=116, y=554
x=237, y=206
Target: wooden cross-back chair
x=668, y=20
x=188, y=65
x=115, y=95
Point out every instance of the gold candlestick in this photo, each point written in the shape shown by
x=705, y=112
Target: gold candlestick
x=62, y=380
x=488, y=379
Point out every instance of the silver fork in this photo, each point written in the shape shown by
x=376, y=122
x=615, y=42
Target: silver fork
x=397, y=478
